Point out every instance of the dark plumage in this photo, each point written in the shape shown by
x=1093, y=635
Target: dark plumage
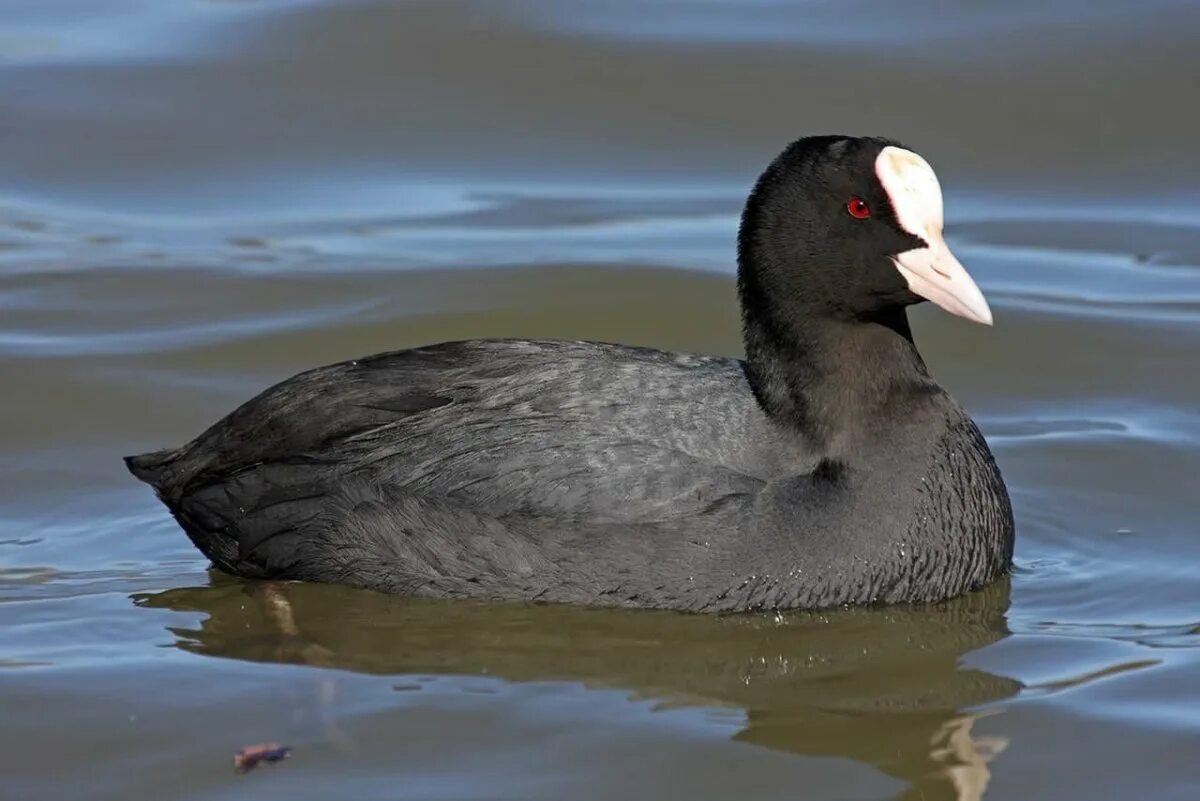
x=828, y=468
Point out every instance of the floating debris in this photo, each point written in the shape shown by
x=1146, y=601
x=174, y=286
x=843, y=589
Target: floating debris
x=248, y=758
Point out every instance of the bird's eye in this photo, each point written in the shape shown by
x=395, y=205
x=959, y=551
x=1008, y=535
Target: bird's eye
x=858, y=208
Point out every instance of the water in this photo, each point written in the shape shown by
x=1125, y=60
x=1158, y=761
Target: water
x=199, y=198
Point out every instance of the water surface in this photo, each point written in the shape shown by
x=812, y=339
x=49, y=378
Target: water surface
x=200, y=198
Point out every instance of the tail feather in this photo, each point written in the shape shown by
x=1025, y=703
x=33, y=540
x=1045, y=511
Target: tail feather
x=153, y=468
x=167, y=472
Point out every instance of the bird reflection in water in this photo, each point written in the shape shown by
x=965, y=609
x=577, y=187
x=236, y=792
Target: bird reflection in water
x=884, y=687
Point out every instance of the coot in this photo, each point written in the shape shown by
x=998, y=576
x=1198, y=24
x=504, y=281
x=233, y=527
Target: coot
x=827, y=468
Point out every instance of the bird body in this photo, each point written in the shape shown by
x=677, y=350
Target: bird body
x=827, y=468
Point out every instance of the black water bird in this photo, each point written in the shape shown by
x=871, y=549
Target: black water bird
x=827, y=468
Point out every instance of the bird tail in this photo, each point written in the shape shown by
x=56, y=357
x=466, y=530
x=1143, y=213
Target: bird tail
x=153, y=468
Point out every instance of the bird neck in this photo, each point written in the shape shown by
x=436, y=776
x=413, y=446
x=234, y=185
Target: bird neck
x=836, y=381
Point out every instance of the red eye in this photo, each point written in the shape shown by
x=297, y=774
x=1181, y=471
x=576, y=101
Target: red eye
x=858, y=208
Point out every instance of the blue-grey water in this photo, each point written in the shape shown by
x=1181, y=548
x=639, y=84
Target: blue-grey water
x=200, y=198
